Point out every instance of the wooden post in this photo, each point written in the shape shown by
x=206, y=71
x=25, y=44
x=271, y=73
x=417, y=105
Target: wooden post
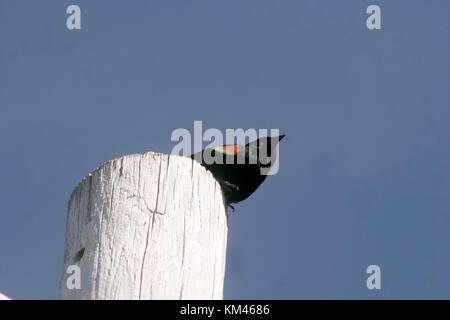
x=3, y=297
x=151, y=226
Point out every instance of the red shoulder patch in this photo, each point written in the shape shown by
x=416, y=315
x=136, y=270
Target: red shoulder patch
x=232, y=148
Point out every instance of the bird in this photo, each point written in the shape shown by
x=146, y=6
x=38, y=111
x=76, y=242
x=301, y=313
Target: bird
x=240, y=170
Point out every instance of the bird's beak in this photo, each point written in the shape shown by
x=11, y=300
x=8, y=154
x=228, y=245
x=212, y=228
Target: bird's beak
x=281, y=137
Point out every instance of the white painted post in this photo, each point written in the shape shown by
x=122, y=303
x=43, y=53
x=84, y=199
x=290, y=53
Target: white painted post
x=149, y=226
x=3, y=297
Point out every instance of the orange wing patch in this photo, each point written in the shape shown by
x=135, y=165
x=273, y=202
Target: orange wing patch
x=232, y=149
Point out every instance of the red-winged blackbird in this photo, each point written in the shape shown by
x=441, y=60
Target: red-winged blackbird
x=240, y=169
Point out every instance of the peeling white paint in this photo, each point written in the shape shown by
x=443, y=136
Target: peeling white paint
x=152, y=226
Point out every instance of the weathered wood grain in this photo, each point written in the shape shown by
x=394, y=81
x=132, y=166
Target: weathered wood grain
x=149, y=226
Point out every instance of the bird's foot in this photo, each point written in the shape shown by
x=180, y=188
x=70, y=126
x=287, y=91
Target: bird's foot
x=228, y=189
x=228, y=186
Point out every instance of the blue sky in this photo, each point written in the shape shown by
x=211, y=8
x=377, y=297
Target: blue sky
x=364, y=170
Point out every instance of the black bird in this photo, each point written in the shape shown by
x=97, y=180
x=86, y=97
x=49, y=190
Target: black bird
x=240, y=169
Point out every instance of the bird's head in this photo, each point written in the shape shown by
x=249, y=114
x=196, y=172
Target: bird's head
x=265, y=149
